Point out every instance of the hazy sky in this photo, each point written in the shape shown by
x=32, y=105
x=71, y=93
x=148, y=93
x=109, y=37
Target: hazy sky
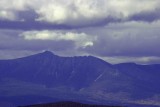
x=114, y=30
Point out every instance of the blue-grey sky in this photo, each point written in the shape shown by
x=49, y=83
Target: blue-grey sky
x=114, y=30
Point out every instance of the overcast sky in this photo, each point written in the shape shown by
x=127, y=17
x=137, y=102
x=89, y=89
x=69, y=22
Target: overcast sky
x=114, y=30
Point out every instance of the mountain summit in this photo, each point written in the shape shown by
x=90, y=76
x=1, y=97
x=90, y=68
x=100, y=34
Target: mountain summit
x=78, y=78
x=48, y=53
x=45, y=54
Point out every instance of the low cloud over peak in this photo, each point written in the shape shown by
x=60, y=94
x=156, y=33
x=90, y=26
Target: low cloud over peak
x=81, y=39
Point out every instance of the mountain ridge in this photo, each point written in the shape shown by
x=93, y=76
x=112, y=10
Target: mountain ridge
x=84, y=77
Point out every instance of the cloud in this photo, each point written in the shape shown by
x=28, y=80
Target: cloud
x=52, y=13
x=12, y=54
x=9, y=40
x=148, y=16
x=138, y=60
x=114, y=30
x=79, y=12
x=81, y=39
x=9, y=9
x=132, y=39
x=6, y=15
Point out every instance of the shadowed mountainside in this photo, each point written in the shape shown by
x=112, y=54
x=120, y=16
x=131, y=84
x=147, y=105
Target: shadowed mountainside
x=81, y=78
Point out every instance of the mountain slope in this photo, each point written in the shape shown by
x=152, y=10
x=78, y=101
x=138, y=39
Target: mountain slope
x=79, y=78
x=49, y=69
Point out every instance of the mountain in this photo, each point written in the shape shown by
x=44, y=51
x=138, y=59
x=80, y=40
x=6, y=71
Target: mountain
x=46, y=77
x=51, y=70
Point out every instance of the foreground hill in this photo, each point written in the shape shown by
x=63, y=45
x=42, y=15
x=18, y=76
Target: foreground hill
x=46, y=77
x=67, y=104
